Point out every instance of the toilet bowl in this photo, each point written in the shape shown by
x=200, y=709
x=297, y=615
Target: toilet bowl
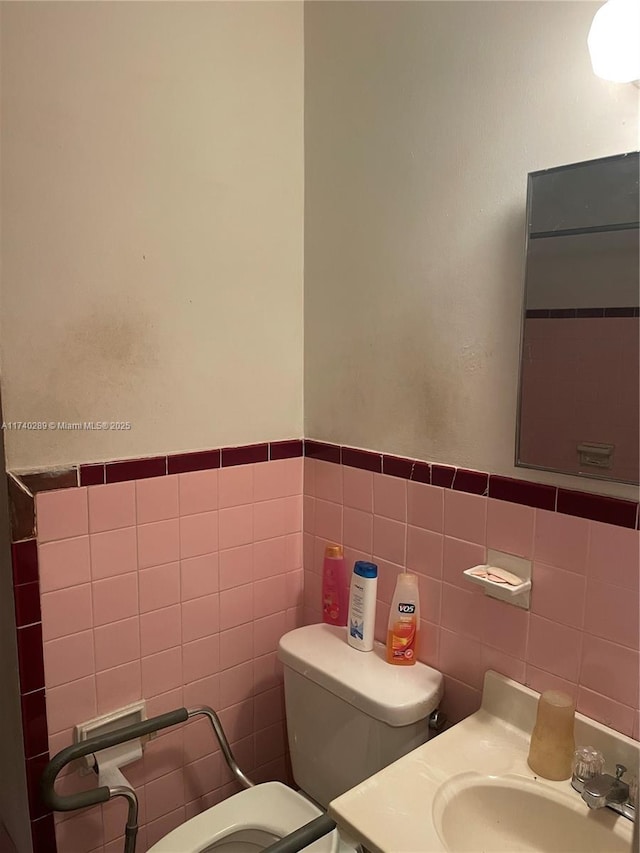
x=249, y=822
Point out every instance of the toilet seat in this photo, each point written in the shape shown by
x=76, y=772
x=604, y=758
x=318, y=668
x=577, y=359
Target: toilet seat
x=271, y=808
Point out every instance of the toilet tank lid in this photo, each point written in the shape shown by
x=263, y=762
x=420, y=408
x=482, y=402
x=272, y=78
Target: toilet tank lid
x=397, y=695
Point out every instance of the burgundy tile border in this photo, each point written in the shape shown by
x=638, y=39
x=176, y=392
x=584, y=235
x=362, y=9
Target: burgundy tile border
x=27, y=603
x=135, y=469
x=598, y=508
x=30, y=658
x=537, y=495
x=321, y=450
x=34, y=723
x=199, y=460
x=421, y=473
x=474, y=482
x=610, y=510
x=285, y=449
x=245, y=455
x=34, y=767
x=43, y=835
x=365, y=459
x=24, y=557
x=91, y=475
x=442, y=475
x=397, y=466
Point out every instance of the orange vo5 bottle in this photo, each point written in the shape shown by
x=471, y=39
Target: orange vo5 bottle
x=404, y=621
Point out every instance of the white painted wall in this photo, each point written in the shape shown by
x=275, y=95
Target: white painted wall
x=422, y=120
x=152, y=209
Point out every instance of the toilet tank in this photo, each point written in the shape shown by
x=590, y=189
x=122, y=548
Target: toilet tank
x=349, y=713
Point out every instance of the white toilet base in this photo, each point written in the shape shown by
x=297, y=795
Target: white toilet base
x=249, y=822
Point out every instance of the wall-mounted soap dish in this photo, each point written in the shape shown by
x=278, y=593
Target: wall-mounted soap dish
x=505, y=577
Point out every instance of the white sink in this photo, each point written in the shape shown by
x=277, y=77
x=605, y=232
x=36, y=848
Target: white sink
x=470, y=790
x=512, y=814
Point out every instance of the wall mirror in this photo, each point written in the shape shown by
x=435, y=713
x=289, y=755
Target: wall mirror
x=579, y=363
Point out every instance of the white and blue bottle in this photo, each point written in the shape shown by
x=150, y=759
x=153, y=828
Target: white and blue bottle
x=362, y=606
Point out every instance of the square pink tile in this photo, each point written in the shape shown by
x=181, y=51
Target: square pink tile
x=203, y=776
x=61, y=514
x=309, y=476
x=558, y=595
x=163, y=794
x=312, y=592
x=112, y=506
x=114, y=552
x=328, y=524
x=198, y=492
x=198, y=534
x=309, y=514
x=238, y=721
x=278, y=517
x=157, y=499
x=236, y=606
x=277, y=479
x=461, y=611
x=236, y=646
x=267, y=673
x=623, y=569
x=235, y=486
x=270, y=743
x=236, y=566
x=390, y=497
x=66, y=611
x=161, y=672
x=459, y=700
x=389, y=540
x=64, y=564
x=157, y=829
x=539, y=680
x=504, y=626
x=358, y=488
x=606, y=711
x=70, y=703
x=430, y=591
x=200, y=617
x=236, y=684
x=461, y=658
x=269, y=706
x=158, y=543
x=206, y=691
x=115, y=598
x=561, y=540
x=610, y=670
x=118, y=687
x=612, y=612
x=293, y=551
x=81, y=833
x=429, y=643
x=117, y=643
x=505, y=664
x=457, y=557
x=328, y=482
x=169, y=701
x=510, y=527
x=358, y=529
x=200, y=658
x=294, y=588
x=267, y=632
x=465, y=516
x=270, y=596
x=387, y=576
x=424, y=551
x=554, y=648
x=159, y=587
x=270, y=557
x=199, y=576
x=160, y=630
x=236, y=526
x=425, y=506
x=199, y=740
x=68, y=659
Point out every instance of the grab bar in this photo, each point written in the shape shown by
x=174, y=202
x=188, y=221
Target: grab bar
x=303, y=836
x=83, y=799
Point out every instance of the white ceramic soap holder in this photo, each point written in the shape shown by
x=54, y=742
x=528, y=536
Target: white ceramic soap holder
x=504, y=577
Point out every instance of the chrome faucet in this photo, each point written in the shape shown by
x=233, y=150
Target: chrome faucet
x=604, y=789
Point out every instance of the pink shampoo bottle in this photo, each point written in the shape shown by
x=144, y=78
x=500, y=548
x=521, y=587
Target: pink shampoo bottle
x=335, y=596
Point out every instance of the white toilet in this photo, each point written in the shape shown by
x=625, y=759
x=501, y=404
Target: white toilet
x=349, y=714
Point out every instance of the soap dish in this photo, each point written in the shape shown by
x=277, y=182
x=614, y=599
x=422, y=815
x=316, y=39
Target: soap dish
x=512, y=585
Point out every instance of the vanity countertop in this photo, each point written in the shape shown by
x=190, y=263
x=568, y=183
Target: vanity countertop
x=396, y=810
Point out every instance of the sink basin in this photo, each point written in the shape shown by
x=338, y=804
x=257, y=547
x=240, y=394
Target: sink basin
x=473, y=813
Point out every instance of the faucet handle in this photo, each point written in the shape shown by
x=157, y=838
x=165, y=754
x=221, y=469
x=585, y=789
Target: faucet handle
x=620, y=769
x=587, y=763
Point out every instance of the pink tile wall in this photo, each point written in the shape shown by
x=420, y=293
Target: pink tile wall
x=174, y=589
x=581, y=634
